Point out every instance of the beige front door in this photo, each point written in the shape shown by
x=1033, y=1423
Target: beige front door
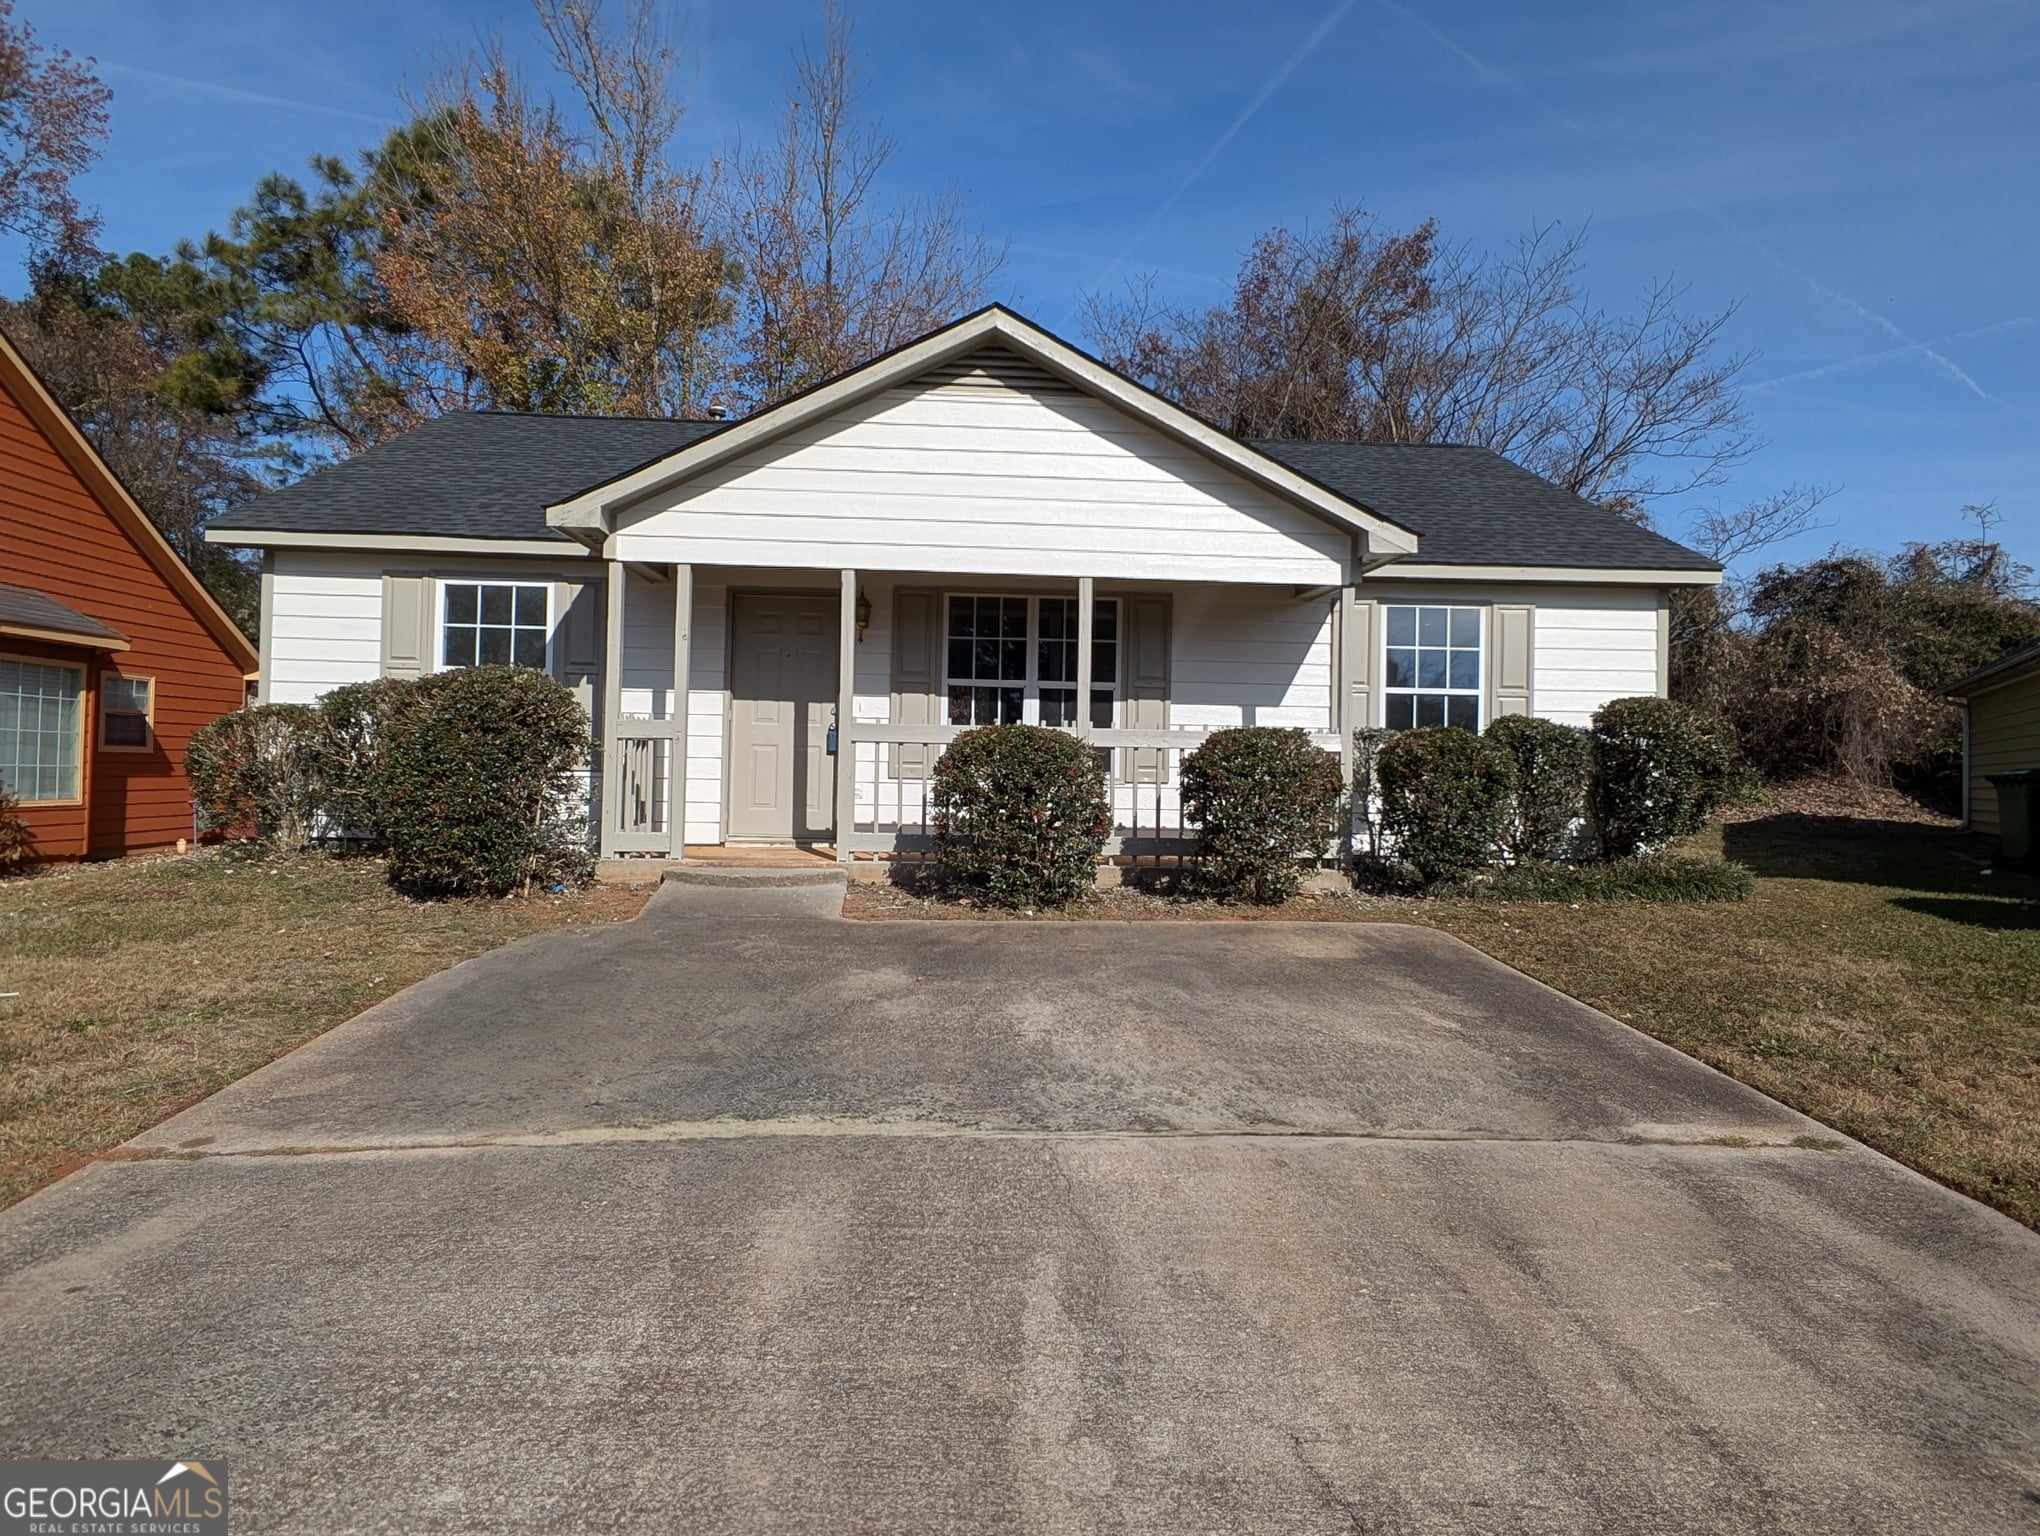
x=782, y=698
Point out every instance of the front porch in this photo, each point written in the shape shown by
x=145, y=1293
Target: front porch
x=856, y=755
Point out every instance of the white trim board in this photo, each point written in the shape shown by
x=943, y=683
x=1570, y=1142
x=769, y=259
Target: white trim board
x=396, y=543
x=1639, y=576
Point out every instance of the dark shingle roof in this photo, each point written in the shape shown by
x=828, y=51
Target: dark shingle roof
x=1471, y=506
x=478, y=475
x=490, y=475
x=23, y=609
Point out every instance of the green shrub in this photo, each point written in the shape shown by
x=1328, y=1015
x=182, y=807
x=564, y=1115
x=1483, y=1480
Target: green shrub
x=1445, y=797
x=479, y=793
x=1647, y=877
x=1020, y=815
x=1264, y=800
x=16, y=841
x=348, y=752
x=254, y=773
x=1660, y=769
x=1554, y=764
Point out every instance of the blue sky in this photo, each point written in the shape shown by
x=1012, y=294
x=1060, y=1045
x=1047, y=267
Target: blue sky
x=1860, y=176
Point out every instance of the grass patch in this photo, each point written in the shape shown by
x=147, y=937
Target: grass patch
x=1655, y=877
x=143, y=985
x=1879, y=977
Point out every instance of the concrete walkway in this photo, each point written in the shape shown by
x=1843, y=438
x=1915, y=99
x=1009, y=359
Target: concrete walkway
x=729, y=1224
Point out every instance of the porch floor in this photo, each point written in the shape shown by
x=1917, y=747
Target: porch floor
x=762, y=855
x=646, y=871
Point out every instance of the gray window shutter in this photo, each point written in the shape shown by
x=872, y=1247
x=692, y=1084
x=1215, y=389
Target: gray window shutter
x=406, y=624
x=577, y=639
x=1357, y=661
x=1145, y=685
x=916, y=676
x=1510, y=629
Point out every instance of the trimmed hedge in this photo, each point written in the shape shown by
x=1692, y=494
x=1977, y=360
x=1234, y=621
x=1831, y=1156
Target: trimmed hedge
x=1660, y=769
x=348, y=750
x=253, y=774
x=1554, y=764
x=477, y=784
x=1445, y=799
x=1020, y=815
x=1264, y=800
x=1648, y=877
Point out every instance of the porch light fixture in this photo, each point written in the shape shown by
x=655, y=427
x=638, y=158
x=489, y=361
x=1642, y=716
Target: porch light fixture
x=863, y=615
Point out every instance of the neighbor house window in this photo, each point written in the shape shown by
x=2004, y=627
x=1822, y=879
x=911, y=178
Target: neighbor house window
x=1013, y=660
x=1432, y=671
x=494, y=623
x=41, y=719
x=127, y=711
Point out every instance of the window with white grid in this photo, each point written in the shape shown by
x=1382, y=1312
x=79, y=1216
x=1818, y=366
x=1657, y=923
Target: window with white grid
x=494, y=624
x=1056, y=650
x=987, y=666
x=41, y=713
x=1432, y=666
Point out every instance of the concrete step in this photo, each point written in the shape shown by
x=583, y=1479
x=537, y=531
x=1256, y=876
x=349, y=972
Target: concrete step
x=705, y=892
x=753, y=879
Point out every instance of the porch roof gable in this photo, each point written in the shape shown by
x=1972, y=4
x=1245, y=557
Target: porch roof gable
x=589, y=515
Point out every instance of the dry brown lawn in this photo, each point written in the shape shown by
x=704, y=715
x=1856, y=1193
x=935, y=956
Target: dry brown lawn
x=1882, y=978
x=129, y=990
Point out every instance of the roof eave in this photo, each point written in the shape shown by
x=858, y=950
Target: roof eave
x=1590, y=575
x=81, y=639
x=400, y=543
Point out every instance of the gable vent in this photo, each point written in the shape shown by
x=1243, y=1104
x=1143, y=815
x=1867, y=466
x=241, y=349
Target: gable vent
x=992, y=371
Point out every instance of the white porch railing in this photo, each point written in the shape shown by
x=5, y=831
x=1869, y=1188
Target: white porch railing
x=641, y=757
x=892, y=810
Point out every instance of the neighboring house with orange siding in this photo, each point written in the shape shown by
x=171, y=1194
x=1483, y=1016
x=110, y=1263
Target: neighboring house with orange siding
x=111, y=651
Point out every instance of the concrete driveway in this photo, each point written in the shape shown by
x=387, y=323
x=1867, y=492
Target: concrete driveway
x=745, y=1225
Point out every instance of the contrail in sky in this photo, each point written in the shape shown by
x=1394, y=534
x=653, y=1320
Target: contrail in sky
x=1269, y=87
x=1833, y=295
x=235, y=93
x=1870, y=359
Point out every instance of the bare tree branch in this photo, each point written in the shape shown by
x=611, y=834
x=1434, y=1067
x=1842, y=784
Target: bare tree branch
x=830, y=277
x=1354, y=331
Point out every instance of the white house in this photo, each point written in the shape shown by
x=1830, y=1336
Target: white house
x=984, y=525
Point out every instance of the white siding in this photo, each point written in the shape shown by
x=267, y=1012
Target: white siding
x=994, y=482
x=325, y=622
x=1589, y=644
x=326, y=613
x=1592, y=646
x=1245, y=656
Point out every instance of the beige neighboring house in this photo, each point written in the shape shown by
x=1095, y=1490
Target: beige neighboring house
x=779, y=622
x=2000, y=729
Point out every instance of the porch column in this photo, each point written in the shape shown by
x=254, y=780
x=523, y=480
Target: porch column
x=683, y=623
x=612, y=708
x=846, y=682
x=1348, y=635
x=1086, y=587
